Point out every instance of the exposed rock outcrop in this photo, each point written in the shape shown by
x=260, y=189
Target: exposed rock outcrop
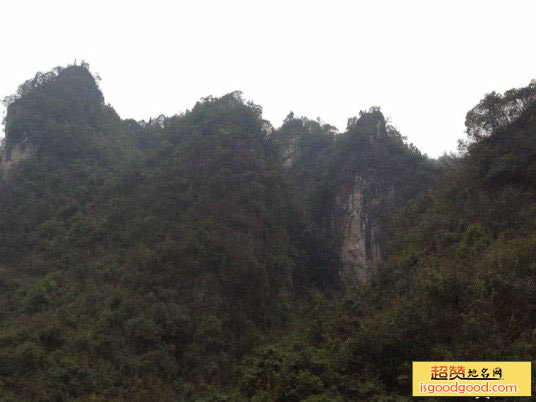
x=289, y=153
x=21, y=151
x=357, y=229
x=359, y=197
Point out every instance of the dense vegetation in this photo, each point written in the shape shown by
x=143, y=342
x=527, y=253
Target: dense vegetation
x=193, y=257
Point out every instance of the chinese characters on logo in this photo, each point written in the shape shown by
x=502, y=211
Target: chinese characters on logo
x=459, y=372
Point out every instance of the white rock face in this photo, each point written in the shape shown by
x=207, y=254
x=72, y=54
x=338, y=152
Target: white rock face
x=360, y=248
x=290, y=153
x=20, y=152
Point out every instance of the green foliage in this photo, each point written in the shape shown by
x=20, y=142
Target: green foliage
x=194, y=257
x=496, y=111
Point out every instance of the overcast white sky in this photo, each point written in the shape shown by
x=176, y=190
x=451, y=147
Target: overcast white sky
x=426, y=63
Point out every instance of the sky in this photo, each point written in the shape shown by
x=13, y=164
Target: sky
x=426, y=63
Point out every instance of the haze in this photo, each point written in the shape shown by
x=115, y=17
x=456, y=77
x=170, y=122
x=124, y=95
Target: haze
x=425, y=63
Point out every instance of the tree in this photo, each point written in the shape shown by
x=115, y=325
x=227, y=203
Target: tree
x=495, y=111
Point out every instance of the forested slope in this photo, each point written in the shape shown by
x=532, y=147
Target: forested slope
x=205, y=256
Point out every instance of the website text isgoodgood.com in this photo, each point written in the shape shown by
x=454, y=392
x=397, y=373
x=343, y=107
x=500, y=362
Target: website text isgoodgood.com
x=468, y=388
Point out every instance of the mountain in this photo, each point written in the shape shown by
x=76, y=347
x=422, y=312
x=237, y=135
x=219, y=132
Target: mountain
x=353, y=183
x=211, y=256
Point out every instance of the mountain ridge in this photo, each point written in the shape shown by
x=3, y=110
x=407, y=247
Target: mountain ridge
x=210, y=256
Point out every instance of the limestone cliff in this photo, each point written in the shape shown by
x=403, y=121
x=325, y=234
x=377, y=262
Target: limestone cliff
x=19, y=152
x=290, y=152
x=353, y=183
x=357, y=232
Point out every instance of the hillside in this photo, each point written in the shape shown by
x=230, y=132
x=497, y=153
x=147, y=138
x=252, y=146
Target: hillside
x=210, y=256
